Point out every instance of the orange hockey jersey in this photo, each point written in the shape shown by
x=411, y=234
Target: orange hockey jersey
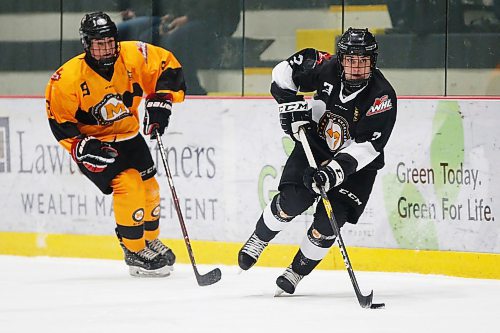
x=81, y=101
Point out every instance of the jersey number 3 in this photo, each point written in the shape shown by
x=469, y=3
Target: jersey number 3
x=297, y=60
x=376, y=135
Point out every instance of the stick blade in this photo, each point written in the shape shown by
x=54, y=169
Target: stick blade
x=210, y=278
x=365, y=301
x=377, y=306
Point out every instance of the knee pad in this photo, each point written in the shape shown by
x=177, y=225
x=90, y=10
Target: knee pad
x=315, y=245
x=152, y=209
x=291, y=201
x=318, y=239
x=278, y=212
x=320, y=236
x=129, y=200
x=271, y=222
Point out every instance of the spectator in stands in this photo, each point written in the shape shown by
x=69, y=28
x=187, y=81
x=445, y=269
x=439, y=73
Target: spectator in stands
x=190, y=29
x=487, y=22
x=140, y=21
x=426, y=16
x=496, y=9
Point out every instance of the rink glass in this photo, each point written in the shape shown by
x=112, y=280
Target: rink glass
x=436, y=48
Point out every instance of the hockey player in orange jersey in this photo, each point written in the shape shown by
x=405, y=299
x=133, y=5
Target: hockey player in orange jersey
x=92, y=105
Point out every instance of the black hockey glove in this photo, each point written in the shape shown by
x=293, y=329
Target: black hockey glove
x=324, y=176
x=158, y=110
x=294, y=115
x=94, y=154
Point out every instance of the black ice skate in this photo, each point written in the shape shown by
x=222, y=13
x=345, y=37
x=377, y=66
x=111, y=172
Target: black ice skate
x=145, y=263
x=287, y=282
x=251, y=251
x=163, y=250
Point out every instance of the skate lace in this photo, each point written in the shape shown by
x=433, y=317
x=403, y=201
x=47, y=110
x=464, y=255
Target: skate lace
x=293, y=277
x=254, y=246
x=157, y=246
x=147, y=254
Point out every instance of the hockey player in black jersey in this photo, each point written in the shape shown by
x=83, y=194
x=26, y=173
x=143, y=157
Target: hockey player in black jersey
x=348, y=121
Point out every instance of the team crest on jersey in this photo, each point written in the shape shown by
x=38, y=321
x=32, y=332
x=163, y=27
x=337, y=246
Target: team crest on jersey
x=380, y=105
x=156, y=211
x=334, y=129
x=143, y=48
x=110, y=109
x=138, y=215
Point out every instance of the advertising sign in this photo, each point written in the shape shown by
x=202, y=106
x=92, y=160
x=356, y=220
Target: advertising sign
x=438, y=190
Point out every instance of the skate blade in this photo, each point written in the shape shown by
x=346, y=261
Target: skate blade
x=141, y=272
x=278, y=292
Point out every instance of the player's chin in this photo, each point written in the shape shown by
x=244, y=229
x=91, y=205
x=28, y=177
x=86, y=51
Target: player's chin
x=357, y=77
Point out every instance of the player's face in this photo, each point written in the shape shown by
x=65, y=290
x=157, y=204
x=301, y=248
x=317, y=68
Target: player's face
x=103, y=48
x=356, y=67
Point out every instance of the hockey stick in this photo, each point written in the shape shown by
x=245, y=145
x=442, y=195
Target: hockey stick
x=214, y=275
x=364, y=301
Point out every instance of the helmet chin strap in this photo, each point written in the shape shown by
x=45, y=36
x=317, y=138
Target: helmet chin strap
x=356, y=83
x=102, y=65
x=106, y=62
x=351, y=86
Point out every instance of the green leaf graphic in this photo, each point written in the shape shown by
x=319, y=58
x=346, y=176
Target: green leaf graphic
x=288, y=145
x=409, y=232
x=269, y=171
x=446, y=153
x=447, y=147
x=264, y=198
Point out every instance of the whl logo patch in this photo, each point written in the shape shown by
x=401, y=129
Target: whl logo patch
x=380, y=105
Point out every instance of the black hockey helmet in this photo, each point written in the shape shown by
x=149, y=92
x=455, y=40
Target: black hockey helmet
x=357, y=42
x=98, y=25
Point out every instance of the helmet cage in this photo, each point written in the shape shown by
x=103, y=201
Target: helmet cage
x=96, y=26
x=358, y=42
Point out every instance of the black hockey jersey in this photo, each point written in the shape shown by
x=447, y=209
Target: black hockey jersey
x=351, y=128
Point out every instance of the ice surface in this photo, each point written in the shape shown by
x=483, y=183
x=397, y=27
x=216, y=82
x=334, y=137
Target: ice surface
x=82, y=295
